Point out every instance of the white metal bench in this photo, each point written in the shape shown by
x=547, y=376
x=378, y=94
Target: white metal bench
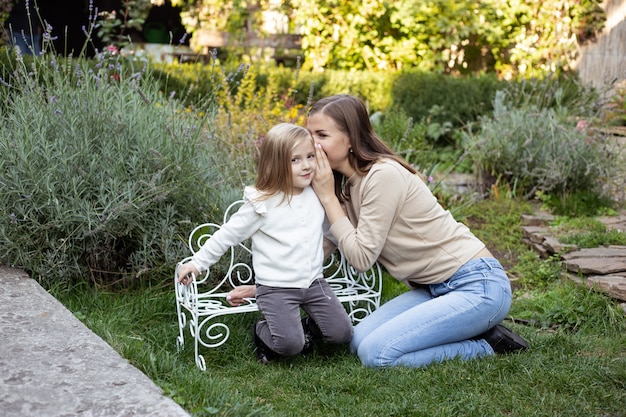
x=200, y=304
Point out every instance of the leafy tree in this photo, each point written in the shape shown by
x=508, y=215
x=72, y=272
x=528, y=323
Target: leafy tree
x=445, y=35
x=511, y=37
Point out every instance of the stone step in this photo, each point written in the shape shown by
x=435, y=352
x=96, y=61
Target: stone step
x=601, y=268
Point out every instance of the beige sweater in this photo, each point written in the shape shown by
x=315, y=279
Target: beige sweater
x=394, y=218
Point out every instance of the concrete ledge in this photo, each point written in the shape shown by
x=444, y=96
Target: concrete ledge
x=52, y=365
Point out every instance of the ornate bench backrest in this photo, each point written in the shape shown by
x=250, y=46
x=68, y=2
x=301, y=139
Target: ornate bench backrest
x=361, y=289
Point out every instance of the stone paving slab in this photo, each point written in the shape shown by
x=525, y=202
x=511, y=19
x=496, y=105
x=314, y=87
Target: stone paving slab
x=52, y=365
x=602, y=268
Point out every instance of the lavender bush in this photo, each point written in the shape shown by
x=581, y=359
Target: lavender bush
x=534, y=149
x=102, y=176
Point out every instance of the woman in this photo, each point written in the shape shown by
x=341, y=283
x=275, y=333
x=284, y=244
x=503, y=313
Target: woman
x=459, y=291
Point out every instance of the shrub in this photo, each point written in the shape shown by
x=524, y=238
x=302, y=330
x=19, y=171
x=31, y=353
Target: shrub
x=565, y=94
x=534, y=150
x=101, y=175
x=577, y=203
x=405, y=137
x=587, y=232
x=567, y=306
x=536, y=273
x=616, y=106
x=194, y=82
x=443, y=99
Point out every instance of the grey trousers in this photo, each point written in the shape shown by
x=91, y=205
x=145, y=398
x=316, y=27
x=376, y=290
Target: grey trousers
x=282, y=329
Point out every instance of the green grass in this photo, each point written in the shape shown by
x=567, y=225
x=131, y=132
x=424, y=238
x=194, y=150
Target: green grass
x=576, y=365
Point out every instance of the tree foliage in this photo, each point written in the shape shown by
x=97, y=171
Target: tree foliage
x=468, y=36
x=511, y=37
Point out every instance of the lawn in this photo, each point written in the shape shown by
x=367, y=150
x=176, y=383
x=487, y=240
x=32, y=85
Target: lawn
x=568, y=371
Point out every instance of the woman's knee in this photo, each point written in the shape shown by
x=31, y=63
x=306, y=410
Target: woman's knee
x=369, y=357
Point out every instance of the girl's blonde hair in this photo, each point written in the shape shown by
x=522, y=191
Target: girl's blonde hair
x=274, y=172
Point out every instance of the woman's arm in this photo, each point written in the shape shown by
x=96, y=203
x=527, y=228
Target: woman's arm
x=375, y=204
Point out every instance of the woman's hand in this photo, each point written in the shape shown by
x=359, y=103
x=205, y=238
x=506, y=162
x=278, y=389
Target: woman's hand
x=185, y=272
x=324, y=186
x=236, y=296
x=323, y=181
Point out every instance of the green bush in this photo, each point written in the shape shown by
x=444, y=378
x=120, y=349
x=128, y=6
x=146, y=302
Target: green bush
x=405, y=136
x=444, y=100
x=563, y=93
x=102, y=177
x=616, y=106
x=195, y=82
x=577, y=202
x=536, y=273
x=533, y=149
x=570, y=307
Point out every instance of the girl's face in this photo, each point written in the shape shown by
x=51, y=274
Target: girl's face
x=302, y=165
x=335, y=143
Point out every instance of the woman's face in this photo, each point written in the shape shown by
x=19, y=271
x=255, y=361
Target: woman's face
x=334, y=142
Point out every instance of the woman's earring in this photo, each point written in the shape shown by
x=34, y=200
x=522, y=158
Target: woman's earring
x=350, y=150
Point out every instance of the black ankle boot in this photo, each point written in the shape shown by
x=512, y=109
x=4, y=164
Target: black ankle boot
x=503, y=340
x=311, y=333
x=262, y=352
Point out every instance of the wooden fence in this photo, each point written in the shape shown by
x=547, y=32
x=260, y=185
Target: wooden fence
x=603, y=63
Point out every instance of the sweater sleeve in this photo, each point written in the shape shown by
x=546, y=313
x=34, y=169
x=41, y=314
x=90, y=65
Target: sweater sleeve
x=382, y=194
x=239, y=227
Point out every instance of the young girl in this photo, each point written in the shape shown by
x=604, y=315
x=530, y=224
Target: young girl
x=459, y=293
x=284, y=218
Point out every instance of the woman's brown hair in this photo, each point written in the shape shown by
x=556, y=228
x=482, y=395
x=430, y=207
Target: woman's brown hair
x=351, y=118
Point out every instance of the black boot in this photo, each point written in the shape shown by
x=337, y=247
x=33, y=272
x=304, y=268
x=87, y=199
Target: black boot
x=503, y=340
x=263, y=353
x=311, y=333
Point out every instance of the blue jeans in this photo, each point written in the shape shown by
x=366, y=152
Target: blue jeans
x=434, y=323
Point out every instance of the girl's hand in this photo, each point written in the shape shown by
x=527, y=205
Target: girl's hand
x=323, y=181
x=185, y=273
x=236, y=296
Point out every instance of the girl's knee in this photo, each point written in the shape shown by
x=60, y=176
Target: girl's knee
x=288, y=347
x=341, y=334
